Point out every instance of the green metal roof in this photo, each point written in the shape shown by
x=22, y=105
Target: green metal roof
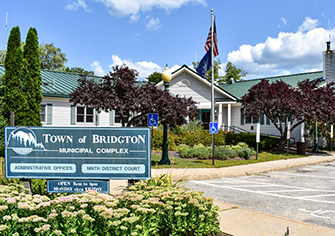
x=239, y=89
x=61, y=84
x=58, y=83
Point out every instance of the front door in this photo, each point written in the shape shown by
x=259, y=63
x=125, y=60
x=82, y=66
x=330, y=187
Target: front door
x=205, y=118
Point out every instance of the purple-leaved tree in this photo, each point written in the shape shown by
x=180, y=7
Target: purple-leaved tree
x=119, y=91
x=282, y=102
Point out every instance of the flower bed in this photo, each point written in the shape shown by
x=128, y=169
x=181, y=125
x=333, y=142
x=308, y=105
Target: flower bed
x=142, y=210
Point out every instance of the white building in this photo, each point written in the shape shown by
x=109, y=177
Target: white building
x=228, y=107
x=58, y=111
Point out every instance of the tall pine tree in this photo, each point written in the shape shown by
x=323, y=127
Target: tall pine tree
x=13, y=97
x=32, y=78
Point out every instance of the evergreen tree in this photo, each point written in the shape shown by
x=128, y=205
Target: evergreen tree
x=12, y=97
x=17, y=99
x=32, y=78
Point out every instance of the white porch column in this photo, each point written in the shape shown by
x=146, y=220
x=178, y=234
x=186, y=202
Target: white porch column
x=220, y=116
x=302, y=132
x=229, y=115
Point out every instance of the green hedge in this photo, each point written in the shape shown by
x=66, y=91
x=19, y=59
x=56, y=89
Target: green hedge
x=186, y=137
x=183, y=136
x=266, y=143
x=221, y=152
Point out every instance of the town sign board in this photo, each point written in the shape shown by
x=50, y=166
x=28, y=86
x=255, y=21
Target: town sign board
x=77, y=153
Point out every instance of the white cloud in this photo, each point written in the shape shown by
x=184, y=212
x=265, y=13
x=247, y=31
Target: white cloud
x=97, y=68
x=283, y=19
x=134, y=18
x=145, y=68
x=308, y=24
x=289, y=52
x=134, y=7
x=76, y=5
x=153, y=23
x=174, y=68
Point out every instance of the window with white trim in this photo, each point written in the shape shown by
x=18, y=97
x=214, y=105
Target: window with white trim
x=251, y=120
x=85, y=114
x=43, y=113
x=46, y=113
x=117, y=118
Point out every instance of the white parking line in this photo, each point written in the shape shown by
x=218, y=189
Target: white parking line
x=291, y=190
x=324, y=195
x=304, y=175
x=273, y=185
x=305, y=198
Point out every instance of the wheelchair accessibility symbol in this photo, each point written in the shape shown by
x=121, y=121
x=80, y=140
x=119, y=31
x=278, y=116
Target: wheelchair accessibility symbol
x=152, y=119
x=213, y=128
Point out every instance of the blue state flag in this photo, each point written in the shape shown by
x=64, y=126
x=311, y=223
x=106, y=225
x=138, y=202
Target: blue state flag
x=205, y=64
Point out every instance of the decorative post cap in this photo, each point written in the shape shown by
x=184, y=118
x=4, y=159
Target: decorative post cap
x=166, y=75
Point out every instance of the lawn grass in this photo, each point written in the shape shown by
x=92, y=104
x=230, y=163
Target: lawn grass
x=195, y=163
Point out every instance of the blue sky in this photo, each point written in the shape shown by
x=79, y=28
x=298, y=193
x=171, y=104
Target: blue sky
x=265, y=38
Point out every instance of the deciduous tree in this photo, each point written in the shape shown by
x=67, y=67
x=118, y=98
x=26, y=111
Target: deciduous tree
x=51, y=57
x=120, y=91
x=282, y=102
x=233, y=73
x=78, y=70
x=155, y=77
x=208, y=74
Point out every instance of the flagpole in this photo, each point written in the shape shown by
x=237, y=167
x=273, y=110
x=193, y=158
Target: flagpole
x=212, y=84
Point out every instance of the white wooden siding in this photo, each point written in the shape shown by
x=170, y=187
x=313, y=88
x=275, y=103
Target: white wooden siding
x=265, y=129
x=199, y=91
x=61, y=114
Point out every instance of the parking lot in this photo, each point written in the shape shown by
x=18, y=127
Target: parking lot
x=306, y=194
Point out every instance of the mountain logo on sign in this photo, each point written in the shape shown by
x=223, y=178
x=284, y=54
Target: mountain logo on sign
x=23, y=141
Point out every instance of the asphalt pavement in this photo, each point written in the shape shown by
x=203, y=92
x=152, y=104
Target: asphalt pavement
x=238, y=220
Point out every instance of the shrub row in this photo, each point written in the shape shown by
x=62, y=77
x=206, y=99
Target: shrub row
x=266, y=142
x=190, y=138
x=142, y=210
x=179, y=136
x=221, y=153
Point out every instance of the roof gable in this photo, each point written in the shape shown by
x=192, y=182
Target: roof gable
x=194, y=74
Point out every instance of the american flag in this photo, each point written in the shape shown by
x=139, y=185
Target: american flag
x=209, y=41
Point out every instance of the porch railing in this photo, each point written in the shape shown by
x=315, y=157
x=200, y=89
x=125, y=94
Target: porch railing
x=236, y=129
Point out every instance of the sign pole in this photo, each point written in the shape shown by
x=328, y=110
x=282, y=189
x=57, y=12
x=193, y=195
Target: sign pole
x=288, y=136
x=258, y=131
x=212, y=80
x=331, y=137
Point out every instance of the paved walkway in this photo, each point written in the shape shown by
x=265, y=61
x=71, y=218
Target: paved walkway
x=240, y=221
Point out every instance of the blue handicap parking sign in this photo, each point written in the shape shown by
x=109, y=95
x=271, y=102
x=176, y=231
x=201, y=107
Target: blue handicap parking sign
x=152, y=119
x=213, y=128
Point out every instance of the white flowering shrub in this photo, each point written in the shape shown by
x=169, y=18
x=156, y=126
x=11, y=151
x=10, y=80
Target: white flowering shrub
x=141, y=210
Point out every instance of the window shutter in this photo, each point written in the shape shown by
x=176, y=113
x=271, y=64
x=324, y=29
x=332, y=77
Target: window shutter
x=268, y=121
x=97, y=117
x=73, y=114
x=111, y=117
x=262, y=119
x=242, y=116
x=49, y=114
